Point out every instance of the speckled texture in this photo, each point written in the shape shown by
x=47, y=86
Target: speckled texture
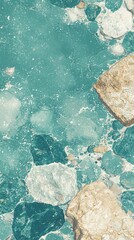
x=116, y=88
x=96, y=214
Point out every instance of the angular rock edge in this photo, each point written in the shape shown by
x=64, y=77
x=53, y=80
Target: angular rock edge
x=97, y=215
x=115, y=88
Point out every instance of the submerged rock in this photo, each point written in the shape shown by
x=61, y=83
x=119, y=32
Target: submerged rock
x=9, y=112
x=116, y=125
x=127, y=179
x=111, y=163
x=65, y=3
x=96, y=214
x=128, y=42
x=125, y=147
x=113, y=5
x=53, y=236
x=127, y=199
x=32, y=220
x=87, y=172
x=46, y=150
x=116, y=87
x=54, y=183
x=92, y=11
x=42, y=121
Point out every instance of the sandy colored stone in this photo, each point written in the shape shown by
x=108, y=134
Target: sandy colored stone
x=81, y=5
x=10, y=71
x=101, y=149
x=116, y=89
x=97, y=215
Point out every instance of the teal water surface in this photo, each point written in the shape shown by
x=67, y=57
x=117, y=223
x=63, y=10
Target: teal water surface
x=49, y=104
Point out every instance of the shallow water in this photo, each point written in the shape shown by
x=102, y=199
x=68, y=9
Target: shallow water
x=56, y=62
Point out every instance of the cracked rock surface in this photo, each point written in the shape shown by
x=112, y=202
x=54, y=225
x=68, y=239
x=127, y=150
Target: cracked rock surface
x=116, y=88
x=97, y=215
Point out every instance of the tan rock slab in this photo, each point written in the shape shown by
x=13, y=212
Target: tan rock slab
x=81, y=5
x=97, y=215
x=116, y=89
x=101, y=149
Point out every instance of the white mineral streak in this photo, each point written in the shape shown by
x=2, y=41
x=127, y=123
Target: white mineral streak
x=130, y=5
x=116, y=89
x=115, y=24
x=9, y=110
x=53, y=184
x=117, y=49
x=97, y=215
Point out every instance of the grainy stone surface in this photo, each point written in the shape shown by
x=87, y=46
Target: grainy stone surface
x=101, y=149
x=116, y=89
x=53, y=184
x=96, y=215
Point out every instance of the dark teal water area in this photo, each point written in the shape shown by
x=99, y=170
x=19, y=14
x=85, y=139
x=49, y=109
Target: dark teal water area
x=49, y=104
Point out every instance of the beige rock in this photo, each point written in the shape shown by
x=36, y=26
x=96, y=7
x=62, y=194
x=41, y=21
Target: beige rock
x=10, y=71
x=81, y=5
x=97, y=215
x=101, y=149
x=116, y=89
x=72, y=159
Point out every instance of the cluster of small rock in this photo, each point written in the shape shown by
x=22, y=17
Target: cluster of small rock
x=114, y=18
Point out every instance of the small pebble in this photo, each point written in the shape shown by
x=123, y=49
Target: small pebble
x=10, y=71
x=117, y=49
x=81, y=5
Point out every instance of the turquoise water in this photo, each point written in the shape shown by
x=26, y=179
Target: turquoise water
x=49, y=104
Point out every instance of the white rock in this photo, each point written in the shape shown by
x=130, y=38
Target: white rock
x=42, y=120
x=53, y=184
x=117, y=49
x=130, y=5
x=75, y=14
x=9, y=110
x=115, y=24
